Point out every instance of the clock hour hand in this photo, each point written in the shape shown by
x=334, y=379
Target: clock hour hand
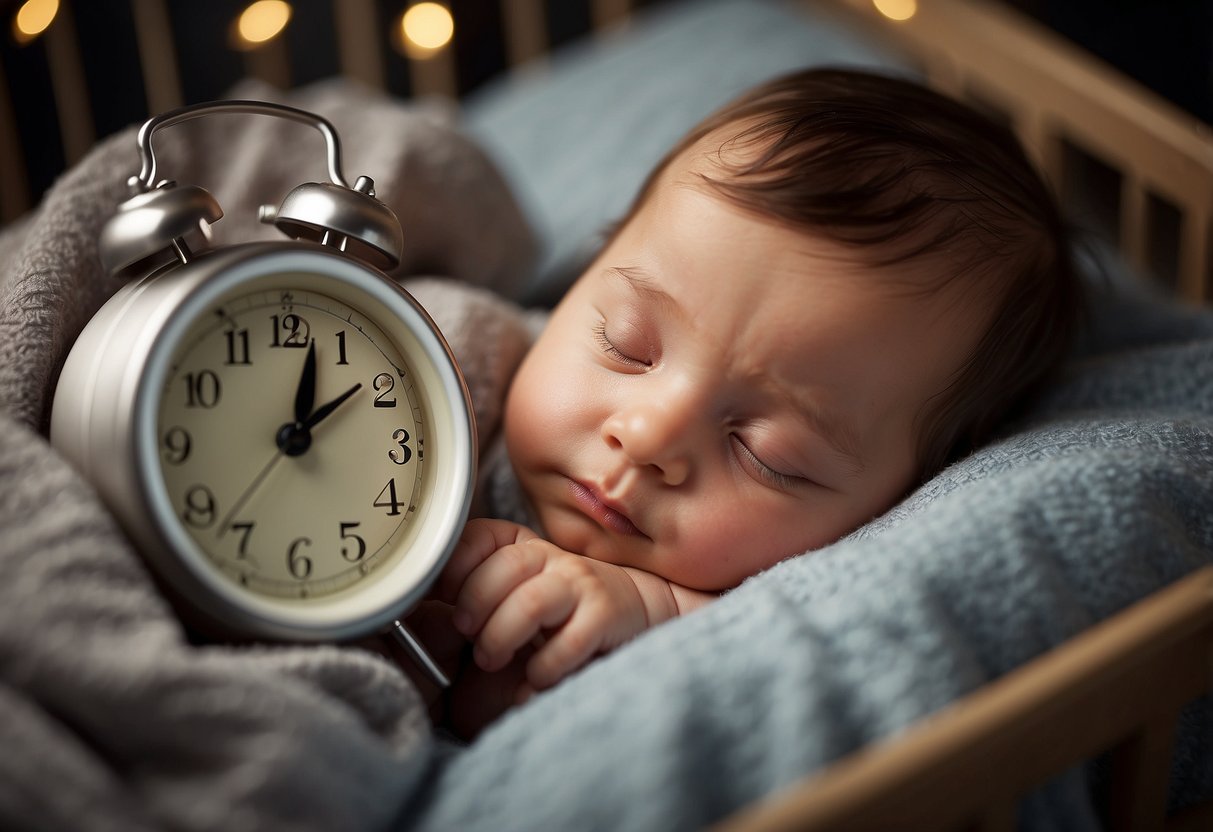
x=305, y=393
x=324, y=410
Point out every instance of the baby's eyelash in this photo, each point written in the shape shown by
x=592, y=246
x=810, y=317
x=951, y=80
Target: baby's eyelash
x=604, y=341
x=766, y=472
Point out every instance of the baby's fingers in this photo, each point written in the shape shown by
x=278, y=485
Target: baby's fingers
x=492, y=582
x=480, y=539
x=540, y=603
x=570, y=647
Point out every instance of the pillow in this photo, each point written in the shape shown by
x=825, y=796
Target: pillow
x=576, y=135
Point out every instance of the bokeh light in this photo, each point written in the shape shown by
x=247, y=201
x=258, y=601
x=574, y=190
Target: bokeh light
x=261, y=22
x=896, y=9
x=425, y=28
x=33, y=18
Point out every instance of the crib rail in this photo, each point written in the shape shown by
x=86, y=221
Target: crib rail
x=1073, y=112
x=1117, y=688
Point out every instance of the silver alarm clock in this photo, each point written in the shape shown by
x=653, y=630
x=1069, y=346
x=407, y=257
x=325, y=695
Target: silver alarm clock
x=280, y=428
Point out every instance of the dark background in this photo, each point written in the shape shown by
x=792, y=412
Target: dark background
x=1167, y=45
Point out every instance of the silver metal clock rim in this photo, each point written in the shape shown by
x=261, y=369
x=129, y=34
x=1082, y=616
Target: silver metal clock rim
x=254, y=614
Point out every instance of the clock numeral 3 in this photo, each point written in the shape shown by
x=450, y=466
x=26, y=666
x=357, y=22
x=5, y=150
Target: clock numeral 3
x=404, y=453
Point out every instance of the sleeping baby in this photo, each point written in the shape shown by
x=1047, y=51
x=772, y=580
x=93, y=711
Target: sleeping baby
x=824, y=293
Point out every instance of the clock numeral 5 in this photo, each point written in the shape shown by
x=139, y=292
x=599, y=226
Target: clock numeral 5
x=348, y=534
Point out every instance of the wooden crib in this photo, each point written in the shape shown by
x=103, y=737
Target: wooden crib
x=1116, y=689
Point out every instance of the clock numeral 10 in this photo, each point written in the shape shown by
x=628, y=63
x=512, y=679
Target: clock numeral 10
x=202, y=389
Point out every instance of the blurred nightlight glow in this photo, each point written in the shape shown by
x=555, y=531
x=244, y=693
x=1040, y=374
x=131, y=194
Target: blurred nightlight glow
x=33, y=18
x=262, y=22
x=425, y=28
x=896, y=9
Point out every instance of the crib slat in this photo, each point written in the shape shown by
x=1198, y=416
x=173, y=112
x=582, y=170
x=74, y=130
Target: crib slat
x=14, y=193
x=606, y=14
x=157, y=57
x=359, y=41
x=1133, y=222
x=70, y=89
x=1141, y=769
x=526, y=35
x=1195, y=274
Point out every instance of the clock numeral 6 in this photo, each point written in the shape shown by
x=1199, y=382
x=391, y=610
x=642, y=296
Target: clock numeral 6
x=300, y=566
x=177, y=445
x=199, y=507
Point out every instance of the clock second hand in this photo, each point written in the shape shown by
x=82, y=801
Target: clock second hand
x=248, y=492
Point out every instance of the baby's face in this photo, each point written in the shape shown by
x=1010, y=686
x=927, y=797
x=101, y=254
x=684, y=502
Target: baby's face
x=718, y=392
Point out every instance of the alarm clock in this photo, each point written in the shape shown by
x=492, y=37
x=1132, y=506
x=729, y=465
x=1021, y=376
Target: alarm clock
x=280, y=428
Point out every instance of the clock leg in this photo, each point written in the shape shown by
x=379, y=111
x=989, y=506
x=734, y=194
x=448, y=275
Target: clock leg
x=418, y=654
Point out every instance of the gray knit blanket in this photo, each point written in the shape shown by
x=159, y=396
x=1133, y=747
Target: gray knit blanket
x=111, y=719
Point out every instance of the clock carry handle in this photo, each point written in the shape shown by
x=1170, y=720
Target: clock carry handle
x=160, y=215
x=147, y=173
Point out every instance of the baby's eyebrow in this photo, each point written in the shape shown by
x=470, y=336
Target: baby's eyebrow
x=644, y=285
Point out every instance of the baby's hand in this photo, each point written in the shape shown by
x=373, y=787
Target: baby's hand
x=513, y=589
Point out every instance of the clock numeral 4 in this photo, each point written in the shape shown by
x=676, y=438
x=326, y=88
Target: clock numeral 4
x=391, y=503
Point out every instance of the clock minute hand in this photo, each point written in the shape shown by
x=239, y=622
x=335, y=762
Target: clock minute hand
x=324, y=410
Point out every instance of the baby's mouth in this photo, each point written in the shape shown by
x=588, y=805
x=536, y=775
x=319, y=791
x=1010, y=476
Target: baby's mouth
x=607, y=516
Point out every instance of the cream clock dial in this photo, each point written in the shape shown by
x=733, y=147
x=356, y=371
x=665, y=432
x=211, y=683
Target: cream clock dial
x=292, y=442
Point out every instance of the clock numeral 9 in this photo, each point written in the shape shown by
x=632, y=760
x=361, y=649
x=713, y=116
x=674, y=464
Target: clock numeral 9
x=300, y=566
x=177, y=445
x=202, y=389
x=199, y=507
x=296, y=329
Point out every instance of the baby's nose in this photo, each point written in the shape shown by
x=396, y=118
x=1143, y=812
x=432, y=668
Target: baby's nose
x=654, y=434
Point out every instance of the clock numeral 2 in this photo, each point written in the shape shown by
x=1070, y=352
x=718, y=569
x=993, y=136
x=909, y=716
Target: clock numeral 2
x=383, y=385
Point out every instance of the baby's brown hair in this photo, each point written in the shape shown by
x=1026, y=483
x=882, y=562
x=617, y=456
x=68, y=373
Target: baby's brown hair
x=902, y=174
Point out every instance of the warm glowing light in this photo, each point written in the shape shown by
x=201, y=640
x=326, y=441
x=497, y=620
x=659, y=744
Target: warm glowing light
x=32, y=19
x=896, y=9
x=425, y=28
x=262, y=21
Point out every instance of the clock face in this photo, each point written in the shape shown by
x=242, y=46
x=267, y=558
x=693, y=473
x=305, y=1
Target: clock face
x=291, y=432
x=305, y=443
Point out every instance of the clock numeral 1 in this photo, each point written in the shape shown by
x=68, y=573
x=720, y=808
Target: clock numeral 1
x=341, y=349
x=202, y=389
x=237, y=347
x=300, y=566
x=348, y=534
x=391, y=503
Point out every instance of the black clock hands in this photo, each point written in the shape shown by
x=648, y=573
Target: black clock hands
x=294, y=438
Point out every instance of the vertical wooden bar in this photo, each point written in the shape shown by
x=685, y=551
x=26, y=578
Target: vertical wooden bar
x=1133, y=220
x=270, y=63
x=606, y=14
x=157, y=57
x=1045, y=149
x=1195, y=274
x=359, y=41
x=70, y=90
x=435, y=74
x=526, y=35
x=14, y=184
x=1141, y=771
